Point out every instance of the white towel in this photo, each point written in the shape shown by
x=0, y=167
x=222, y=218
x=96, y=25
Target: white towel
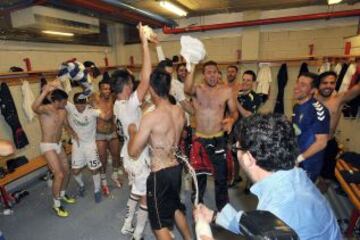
x=347, y=78
x=28, y=99
x=160, y=53
x=192, y=50
x=326, y=66
x=264, y=79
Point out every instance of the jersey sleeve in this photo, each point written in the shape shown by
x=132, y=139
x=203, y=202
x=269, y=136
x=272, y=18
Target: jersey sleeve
x=321, y=119
x=177, y=90
x=70, y=107
x=95, y=112
x=256, y=103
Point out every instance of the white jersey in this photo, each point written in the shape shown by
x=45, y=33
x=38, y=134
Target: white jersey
x=84, y=124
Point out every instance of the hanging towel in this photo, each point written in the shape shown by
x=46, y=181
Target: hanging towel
x=326, y=66
x=28, y=99
x=347, y=78
x=263, y=81
x=282, y=79
x=160, y=53
x=303, y=69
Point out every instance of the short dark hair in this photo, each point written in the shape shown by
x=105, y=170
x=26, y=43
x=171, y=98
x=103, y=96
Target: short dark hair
x=323, y=75
x=105, y=79
x=78, y=100
x=58, y=95
x=233, y=66
x=209, y=63
x=179, y=66
x=160, y=81
x=270, y=138
x=165, y=63
x=313, y=76
x=252, y=73
x=119, y=79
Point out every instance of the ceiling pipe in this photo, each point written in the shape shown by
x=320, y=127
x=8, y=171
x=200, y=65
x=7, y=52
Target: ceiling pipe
x=268, y=21
x=151, y=15
x=123, y=15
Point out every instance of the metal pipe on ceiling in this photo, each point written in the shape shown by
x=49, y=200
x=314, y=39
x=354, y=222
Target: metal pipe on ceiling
x=268, y=21
x=120, y=4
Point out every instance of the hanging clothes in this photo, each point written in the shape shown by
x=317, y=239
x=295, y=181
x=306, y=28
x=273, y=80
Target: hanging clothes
x=282, y=79
x=325, y=67
x=338, y=68
x=341, y=75
x=28, y=99
x=347, y=78
x=263, y=81
x=303, y=69
x=8, y=110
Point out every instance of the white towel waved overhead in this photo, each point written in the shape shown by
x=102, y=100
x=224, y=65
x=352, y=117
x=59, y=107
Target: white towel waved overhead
x=193, y=50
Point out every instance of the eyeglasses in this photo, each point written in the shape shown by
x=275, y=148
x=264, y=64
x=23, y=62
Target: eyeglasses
x=235, y=148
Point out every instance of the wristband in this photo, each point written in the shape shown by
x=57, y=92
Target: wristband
x=300, y=158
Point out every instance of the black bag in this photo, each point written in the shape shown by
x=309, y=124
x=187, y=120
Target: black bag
x=14, y=163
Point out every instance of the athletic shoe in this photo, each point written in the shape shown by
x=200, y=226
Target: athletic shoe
x=97, y=196
x=116, y=180
x=67, y=199
x=61, y=212
x=134, y=238
x=127, y=228
x=82, y=191
x=106, y=190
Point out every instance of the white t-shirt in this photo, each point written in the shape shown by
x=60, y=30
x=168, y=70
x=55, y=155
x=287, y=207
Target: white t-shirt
x=84, y=124
x=177, y=90
x=127, y=112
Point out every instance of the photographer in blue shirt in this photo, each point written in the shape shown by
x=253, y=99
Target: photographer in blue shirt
x=267, y=149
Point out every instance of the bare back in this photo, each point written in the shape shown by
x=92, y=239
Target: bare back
x=52, y=123
x=168, y=123
x=105, y=105
x=209, y=105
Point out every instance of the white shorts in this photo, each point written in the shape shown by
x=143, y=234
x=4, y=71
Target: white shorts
x=137, y=171
x=85, y=154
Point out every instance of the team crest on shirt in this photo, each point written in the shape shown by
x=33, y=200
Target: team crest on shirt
x=320, y=112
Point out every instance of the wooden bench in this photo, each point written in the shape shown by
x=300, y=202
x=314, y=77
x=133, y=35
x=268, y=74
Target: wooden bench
x=352, y=190
x=19, y=172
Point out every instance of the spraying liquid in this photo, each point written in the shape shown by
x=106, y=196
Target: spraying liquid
x=202, y=228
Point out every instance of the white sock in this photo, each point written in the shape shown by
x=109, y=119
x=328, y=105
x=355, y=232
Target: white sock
x=131, y=207
x=79, y=180
x=57, y=202
x=103, y=179
x=97, y=182
x=141, y=219
x=62, y=193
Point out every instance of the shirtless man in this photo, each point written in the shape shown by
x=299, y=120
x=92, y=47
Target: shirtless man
x=164, y=181
x=334, y=102
x=106, y=136
x=53, y=118
x=210, y=100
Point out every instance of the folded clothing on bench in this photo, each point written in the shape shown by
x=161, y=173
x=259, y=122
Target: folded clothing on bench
x=351, y=157
x=351, y=176
x=14, y=163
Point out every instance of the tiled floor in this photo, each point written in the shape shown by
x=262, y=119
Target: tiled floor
x=33, y=218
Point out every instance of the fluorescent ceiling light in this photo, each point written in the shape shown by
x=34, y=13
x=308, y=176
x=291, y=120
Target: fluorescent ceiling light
x=65, y=34
x=173, y=8
x=331, y=2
